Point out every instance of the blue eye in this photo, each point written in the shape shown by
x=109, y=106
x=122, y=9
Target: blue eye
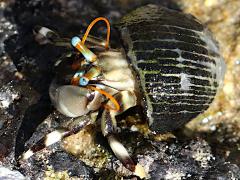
x=83, y=81
x=75, y=40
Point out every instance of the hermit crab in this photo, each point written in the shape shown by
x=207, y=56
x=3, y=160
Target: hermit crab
x=169, y=65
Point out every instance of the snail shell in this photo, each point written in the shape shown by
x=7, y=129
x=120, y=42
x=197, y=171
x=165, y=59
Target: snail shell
x=177, y=61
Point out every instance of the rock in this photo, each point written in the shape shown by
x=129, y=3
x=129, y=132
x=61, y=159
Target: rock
x=182, y=160
x=7, y=174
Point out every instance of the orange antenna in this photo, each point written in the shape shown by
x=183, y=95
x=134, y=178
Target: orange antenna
x=92, y=24
x=109, y=96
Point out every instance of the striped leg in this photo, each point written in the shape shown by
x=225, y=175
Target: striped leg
x=109, y=125
x=53, y=137
x=44, y=35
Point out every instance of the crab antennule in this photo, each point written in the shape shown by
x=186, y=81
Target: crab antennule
x=82, y=79
x=93, y=72
x=92, y=24
x=89, y=55
x=75, y=79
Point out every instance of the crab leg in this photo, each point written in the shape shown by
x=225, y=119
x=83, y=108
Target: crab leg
x=44, y=35
x=109, y=126
x=54, y=137
x=72, y=101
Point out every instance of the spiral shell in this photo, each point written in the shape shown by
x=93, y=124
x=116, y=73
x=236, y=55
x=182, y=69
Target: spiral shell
x=177, y=61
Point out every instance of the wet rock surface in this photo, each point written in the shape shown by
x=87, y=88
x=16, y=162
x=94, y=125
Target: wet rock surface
x=7, y=174
x=207, y=148
x=185, y=160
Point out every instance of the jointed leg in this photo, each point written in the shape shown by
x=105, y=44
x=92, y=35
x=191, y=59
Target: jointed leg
x=54, y=137
x=44, y=35
x=126, y=100
x=109, y=126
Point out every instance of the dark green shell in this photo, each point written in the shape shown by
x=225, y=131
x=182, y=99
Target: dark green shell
x=177, y=62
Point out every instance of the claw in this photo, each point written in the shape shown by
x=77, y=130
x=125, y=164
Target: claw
x=74, y=101
x=70, y=100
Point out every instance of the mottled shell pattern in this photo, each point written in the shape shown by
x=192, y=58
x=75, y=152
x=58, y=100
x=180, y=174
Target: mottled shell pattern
x=177, y=62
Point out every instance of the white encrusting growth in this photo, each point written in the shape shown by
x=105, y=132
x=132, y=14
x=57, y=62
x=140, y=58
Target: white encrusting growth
x=190, y=76
x=140, y=171
x=174, y=84
x=185, y=82
x=8, y=174
x=220, y=67
x=183, y=94
x=207, y=38
x=53, y=137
